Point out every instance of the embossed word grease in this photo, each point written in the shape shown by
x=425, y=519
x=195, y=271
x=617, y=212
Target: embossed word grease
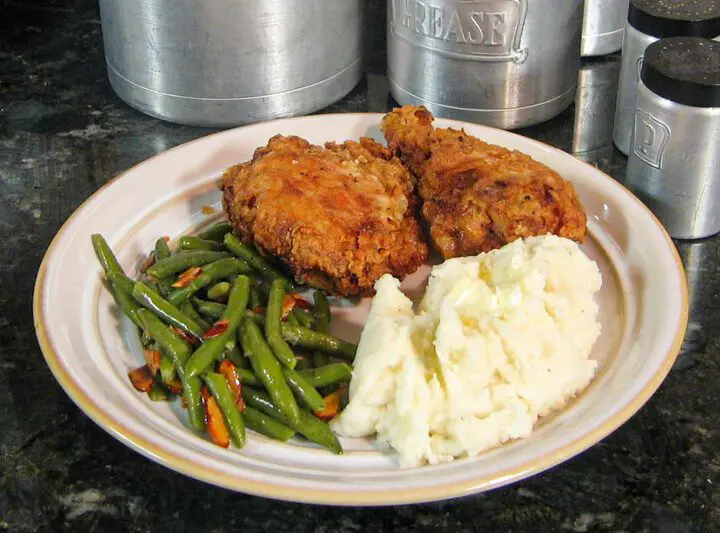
x=487, y=29
x=447, y=24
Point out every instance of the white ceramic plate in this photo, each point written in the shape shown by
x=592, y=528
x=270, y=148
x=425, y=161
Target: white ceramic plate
x=90, y=347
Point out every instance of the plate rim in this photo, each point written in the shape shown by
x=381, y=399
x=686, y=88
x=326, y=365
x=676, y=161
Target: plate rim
x=381, y=497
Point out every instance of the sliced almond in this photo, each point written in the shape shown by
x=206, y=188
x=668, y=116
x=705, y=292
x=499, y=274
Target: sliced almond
x=215, y=423
x=184, y=335
x=147, y=263
x=175, y=386
x=331, y=407
x=187, y=277
x=218, y=328
x=152, y=358
x=227, y=369
x=301, y=302
x=142, y=378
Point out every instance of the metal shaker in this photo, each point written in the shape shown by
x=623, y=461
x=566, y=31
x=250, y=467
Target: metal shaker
x=603, y=27
x=674, y=164
x=648, y=21
x=506, y=63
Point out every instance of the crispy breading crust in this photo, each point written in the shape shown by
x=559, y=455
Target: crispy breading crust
x=340, y=216
x=477, y=196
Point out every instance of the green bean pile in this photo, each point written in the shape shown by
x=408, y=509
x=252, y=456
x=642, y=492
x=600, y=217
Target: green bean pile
x=222, y=328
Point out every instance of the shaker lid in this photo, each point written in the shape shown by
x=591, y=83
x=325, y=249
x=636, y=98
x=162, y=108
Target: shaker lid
x=685, y=70
x=674, y=18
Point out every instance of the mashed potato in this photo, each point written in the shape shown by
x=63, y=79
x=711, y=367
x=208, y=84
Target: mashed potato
x=500, y=340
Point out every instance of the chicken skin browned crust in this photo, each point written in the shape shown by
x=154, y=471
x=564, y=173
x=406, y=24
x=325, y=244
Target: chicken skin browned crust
x=477, y=196
x=339, y=216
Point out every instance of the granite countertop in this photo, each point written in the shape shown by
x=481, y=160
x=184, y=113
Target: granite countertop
x=64, y=133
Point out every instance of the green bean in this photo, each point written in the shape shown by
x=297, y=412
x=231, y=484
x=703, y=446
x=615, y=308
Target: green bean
x=214, y=271
x=181, y=261
x=167, y=367
x=150, y=299
x=122, y=282
x=221, y=391
x=321, y=312
x=303, y=391
x=303, y=362
x=189, y=242
x=216, y=232
x=167, y=339
x=192, y=392
x=327, y=375
x=258, y=318
x=255, y=299
x=235, y=357
x=320, y=359
x=272, y=325
x=125, y=302
x=190, y=311
x=262, y=423
x=311, y=427
x=162, y=250
x=304, y=318
x=255, y=260
x=145, y=338
x=105, y=255
x=211, y=310
x=208, y=352
x=157, y=393
x=220, y=356
x=313, y=340
x=164, y=286
x=267, y=369
x=179, y=350
x=219, y=291
x=263, y=288
x=292, y=320
x=247, y=377
x=121, y=286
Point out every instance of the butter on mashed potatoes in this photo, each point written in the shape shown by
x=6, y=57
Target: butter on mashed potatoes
x=501, y=339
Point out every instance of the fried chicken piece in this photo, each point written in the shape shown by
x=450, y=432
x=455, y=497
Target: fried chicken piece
x=477, y=196
x=340, y=216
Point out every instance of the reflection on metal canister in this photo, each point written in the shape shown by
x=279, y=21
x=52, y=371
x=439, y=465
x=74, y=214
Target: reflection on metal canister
x=596, y=93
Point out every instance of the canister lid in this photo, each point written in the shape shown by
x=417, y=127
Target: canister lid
x=675, y=18
x=685, y=70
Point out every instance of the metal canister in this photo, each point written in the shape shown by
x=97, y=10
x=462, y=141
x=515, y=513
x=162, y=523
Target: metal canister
x=506, y=63
x=674, y=164
x=648, y=21
x=603, y=27
x=229, y=62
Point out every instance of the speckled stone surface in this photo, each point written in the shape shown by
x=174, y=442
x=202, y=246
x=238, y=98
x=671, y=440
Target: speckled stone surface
x=63, y=133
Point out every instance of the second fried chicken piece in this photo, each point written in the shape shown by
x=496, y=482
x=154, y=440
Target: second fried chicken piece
x=477, y=196
x=339, y=216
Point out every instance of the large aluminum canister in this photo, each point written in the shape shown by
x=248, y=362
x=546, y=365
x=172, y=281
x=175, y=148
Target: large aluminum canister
x=506, y=63
x=229, y=62
x=603, y=27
